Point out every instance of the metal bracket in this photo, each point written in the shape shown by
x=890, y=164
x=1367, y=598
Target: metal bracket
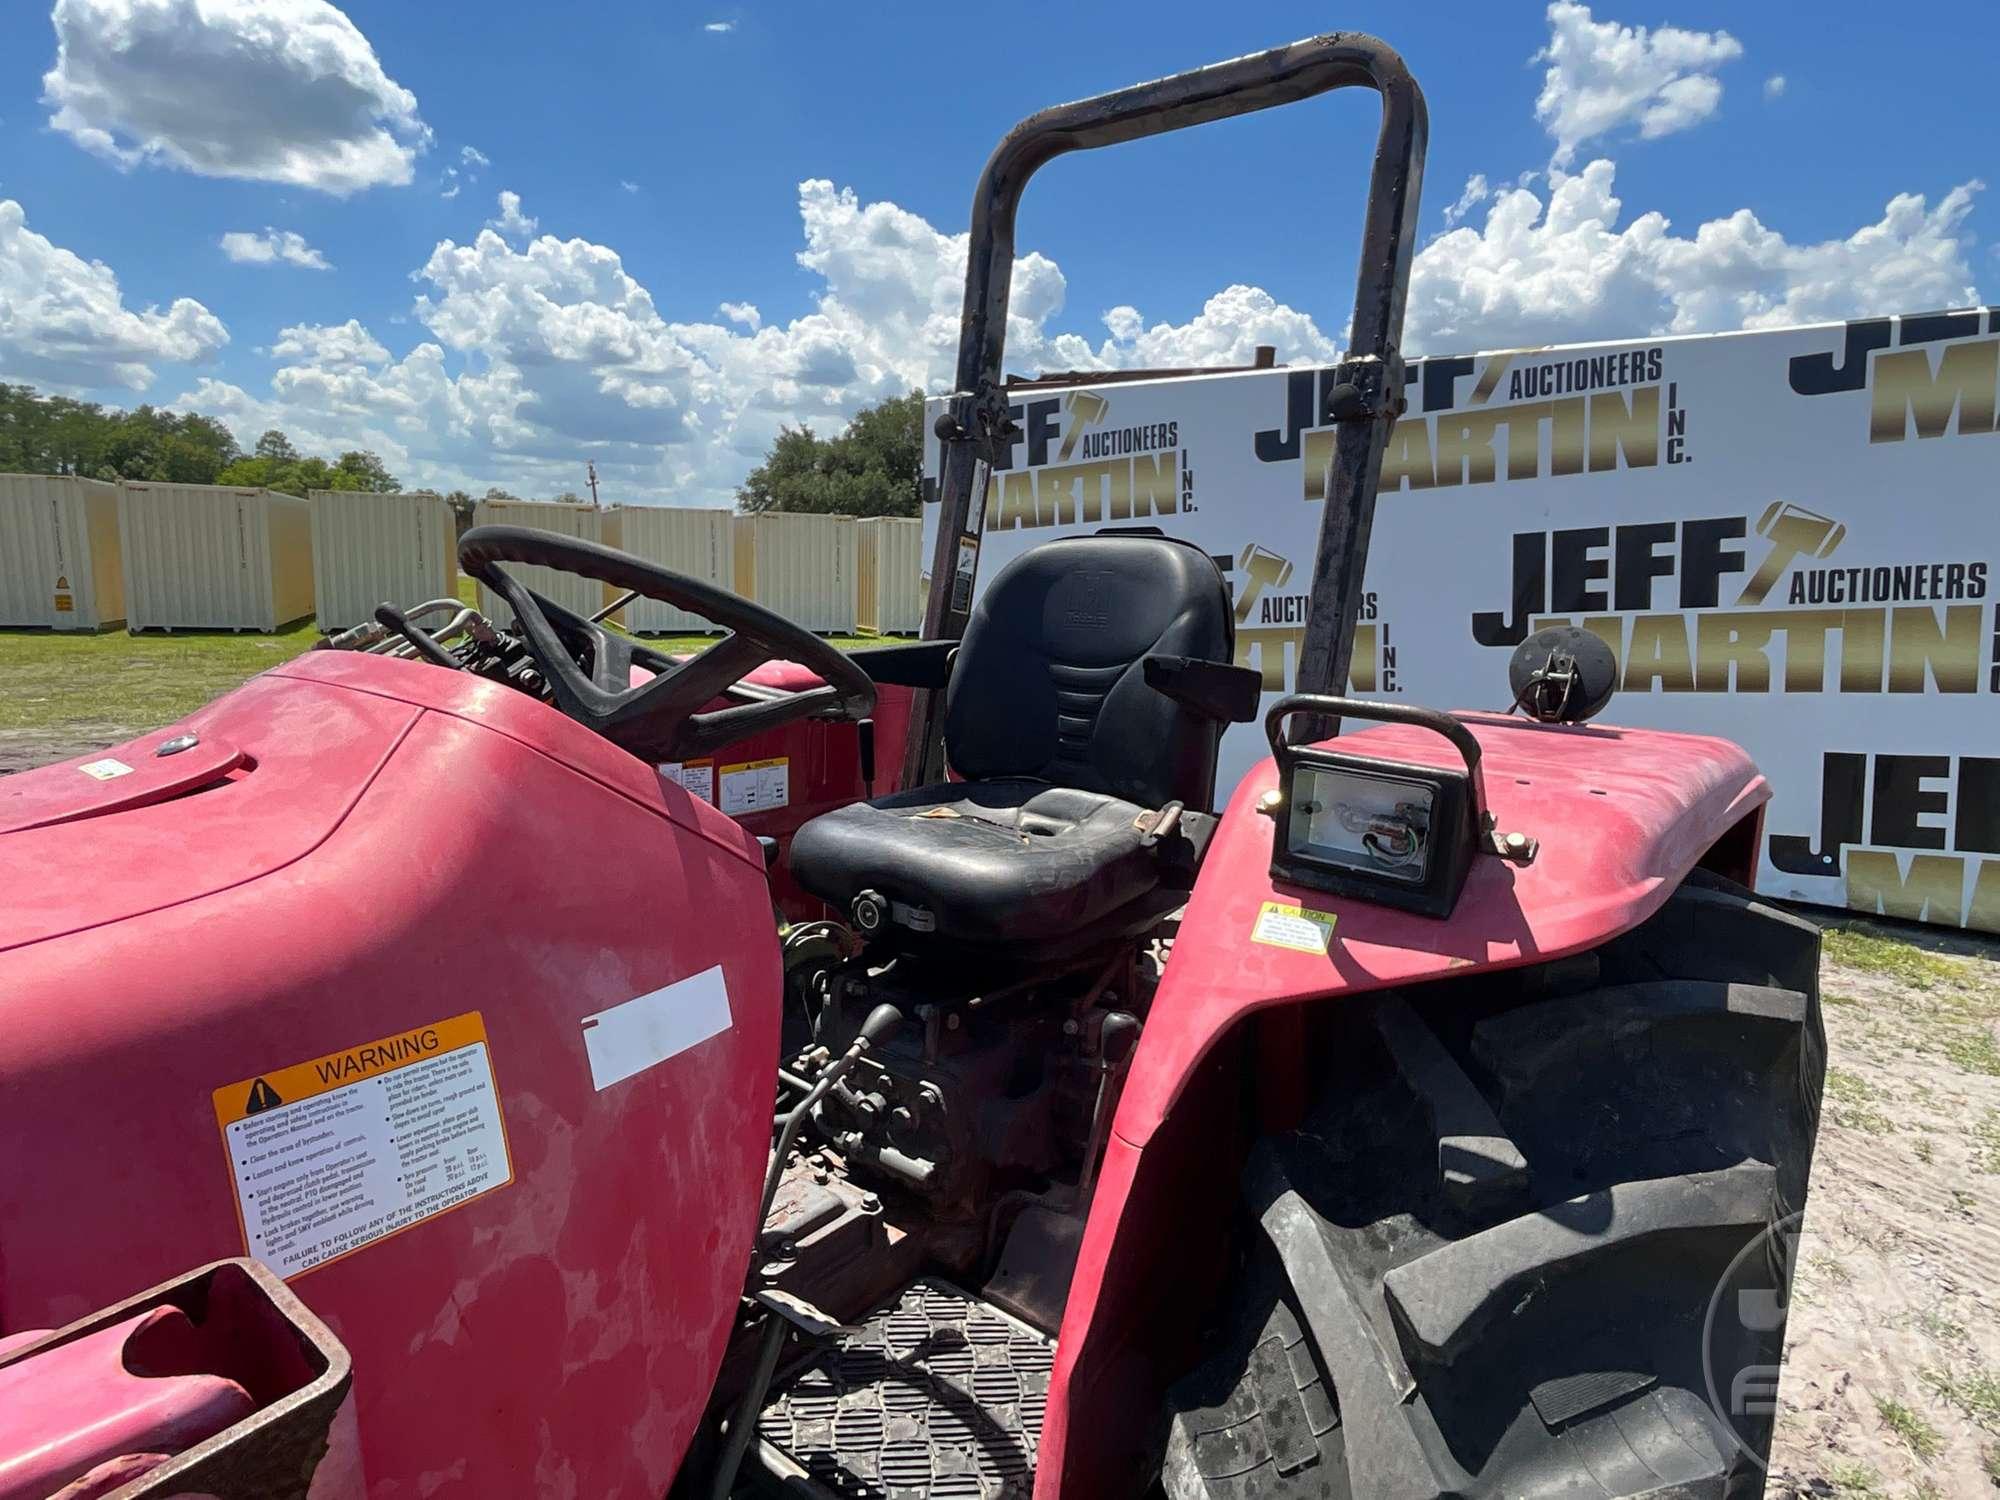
x=1367, y=389
x=1516, y=848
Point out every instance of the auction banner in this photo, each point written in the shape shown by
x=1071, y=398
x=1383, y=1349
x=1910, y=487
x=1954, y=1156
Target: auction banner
x=1789, y=538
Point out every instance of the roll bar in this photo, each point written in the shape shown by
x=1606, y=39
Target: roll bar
x=1364, y=398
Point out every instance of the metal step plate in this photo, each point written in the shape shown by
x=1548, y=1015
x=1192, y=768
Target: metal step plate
x=936, y=1395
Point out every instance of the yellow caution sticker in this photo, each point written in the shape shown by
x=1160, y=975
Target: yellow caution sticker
x=1300, y=928
x=756, y=785
x=330, y=1155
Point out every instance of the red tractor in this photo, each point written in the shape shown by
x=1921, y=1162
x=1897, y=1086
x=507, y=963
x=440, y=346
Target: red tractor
x=1428, y=1120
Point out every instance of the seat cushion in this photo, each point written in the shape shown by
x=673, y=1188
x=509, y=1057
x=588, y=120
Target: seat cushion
x=1004, y=861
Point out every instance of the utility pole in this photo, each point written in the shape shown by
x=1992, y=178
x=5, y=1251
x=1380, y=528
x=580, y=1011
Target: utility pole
x=590, y=468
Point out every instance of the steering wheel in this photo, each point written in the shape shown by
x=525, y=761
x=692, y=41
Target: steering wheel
x=661, y=719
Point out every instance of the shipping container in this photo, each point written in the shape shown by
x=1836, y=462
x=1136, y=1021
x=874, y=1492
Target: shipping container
x=888, y=566
x=210, y=557
x=374, y=549
x=699, y=543
x=799, y=566
x=59, y=556
x=582, y=596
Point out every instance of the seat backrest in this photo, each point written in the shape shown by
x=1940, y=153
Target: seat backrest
x=1049, y=684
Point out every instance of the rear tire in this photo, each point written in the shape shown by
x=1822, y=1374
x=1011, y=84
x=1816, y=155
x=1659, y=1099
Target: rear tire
x=1496, y=1238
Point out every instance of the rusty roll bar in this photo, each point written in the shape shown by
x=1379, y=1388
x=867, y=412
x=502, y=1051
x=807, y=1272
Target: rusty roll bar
x=1363, y=399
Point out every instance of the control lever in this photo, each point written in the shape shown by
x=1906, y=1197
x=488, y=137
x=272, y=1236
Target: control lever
x=1165, y=821
x=419, y=640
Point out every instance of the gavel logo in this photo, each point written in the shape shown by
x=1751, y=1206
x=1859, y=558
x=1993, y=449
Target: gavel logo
x=1793, y=532
x=1264, y=569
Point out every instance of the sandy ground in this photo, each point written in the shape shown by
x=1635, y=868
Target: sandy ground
x=1891, y=1385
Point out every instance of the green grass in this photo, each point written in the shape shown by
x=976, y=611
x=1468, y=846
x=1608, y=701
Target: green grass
x=107, y=686
x=114, y=682
x=1911, y=1429
x=1856, y=1481
x=1986, y=1141
x=1976, y=1393
x=1894, y=959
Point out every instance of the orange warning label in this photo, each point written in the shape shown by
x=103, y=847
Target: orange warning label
x=330, y=1155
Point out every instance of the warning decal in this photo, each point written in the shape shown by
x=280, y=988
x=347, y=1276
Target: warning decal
x=331, y=1155
x=1300, y=928
x=695, y=777
x=756, y=785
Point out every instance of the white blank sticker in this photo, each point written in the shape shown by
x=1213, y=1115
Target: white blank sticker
x=630, y=1038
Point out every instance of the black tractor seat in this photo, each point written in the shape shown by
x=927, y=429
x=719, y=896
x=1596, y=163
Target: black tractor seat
x=1089, y=695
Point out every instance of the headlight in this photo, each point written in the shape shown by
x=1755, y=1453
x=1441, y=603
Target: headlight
x=1385, y=831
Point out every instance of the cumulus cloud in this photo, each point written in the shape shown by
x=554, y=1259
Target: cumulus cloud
x=1774, y=86
x=512, y=222
x=272, y=246
x=1560, y=268
x=719, y=28
x=1603, y=77
x=537, y=355
x=64, y=322
x=1476, y=192
x=285, y=91
x=473, y=157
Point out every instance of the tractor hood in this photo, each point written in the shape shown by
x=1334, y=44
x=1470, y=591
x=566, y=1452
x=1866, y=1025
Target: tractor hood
x=273, y=769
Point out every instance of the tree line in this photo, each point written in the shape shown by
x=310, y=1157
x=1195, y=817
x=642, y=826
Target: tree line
x=41, y=434
x=871, y=469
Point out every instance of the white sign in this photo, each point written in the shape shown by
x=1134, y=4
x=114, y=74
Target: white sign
x=1789, y=538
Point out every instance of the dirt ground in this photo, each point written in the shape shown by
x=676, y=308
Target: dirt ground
x=1891, y=1385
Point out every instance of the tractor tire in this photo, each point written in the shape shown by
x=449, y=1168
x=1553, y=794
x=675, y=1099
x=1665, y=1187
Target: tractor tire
x=1533, y=1220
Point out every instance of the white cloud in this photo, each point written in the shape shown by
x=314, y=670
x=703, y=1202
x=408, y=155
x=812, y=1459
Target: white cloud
x=1603, y=76
x=1476, y=192
x=271, y=246
x=537, y=354
x=719, y=28
x=1561, y=269
x=1774, y=86
x=332, y=344
x=270, y=90
x=64, y=322
x=512, y=222
x=473, y=157
x=629, y=186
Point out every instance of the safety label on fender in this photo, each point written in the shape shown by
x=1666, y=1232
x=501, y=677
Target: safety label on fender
x=756, y=785
x=696, y=777
x=1300, y=928
x=331, y=1155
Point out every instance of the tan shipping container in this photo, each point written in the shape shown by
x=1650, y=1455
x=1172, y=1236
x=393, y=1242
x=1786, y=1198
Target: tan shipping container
x=699, y=543
x=211, y=557
x=800, y=566
x=373, y=549
x=888, y=563
x=579, y=595
x=60, y=561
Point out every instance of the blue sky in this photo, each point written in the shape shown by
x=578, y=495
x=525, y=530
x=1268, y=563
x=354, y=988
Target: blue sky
x=660, y=151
